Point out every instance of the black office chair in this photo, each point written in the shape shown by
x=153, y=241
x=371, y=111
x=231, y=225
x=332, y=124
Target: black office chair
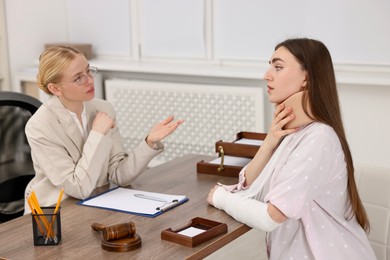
x=16, y=167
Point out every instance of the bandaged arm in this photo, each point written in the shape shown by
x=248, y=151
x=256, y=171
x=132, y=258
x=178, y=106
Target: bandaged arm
x=251, y=212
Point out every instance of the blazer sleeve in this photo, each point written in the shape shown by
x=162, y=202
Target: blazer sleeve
x=57, y=161
x=124, y=166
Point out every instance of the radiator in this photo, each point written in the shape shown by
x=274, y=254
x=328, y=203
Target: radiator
x=211, y=113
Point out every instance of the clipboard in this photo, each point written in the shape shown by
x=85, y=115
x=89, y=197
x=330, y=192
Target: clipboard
x=136, y=202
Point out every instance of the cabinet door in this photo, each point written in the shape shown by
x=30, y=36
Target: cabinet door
x=4, y=71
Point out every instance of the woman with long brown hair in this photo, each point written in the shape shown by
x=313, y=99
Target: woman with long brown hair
x=300, y=186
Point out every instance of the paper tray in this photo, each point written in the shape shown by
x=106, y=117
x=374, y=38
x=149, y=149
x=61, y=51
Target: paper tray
x=240, y=149
x=211, y=168
x=251, y=135
x=212, y=229
x=233, y=149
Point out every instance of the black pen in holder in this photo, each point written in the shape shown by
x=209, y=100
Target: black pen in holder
x=46, y=227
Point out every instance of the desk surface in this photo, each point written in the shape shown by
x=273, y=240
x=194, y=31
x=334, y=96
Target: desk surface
x=79, y=241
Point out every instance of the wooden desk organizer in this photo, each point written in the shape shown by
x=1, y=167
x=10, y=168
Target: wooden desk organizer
x=231, y=149
x=212, y=229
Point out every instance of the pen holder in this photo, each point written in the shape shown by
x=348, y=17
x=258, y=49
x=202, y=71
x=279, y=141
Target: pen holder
x=46, y=227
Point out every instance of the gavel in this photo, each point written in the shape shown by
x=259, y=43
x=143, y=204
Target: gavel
x=115, y=231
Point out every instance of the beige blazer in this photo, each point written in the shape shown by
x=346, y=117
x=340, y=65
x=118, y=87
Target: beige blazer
x=62, y=158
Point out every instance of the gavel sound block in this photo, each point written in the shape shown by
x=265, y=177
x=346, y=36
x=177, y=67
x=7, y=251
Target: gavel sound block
x=118, y=238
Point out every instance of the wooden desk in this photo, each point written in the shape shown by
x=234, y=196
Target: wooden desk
x=79, y=241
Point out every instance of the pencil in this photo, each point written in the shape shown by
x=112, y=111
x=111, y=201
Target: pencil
x=38, y=210
x=49, y=234
x=59, y=201
x=34, y=212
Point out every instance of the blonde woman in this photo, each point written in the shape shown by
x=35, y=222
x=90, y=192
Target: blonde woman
x=75, y=143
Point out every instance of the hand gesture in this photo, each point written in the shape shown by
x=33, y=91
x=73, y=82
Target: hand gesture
x=102, y=123
x=282, y=116
x=162, y=130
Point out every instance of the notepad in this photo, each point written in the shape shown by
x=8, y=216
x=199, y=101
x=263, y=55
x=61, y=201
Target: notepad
x=191, y=232
x=142, y=203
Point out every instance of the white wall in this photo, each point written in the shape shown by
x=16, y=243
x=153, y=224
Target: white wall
x=31, y=24
x=205, y=30
x=366, y=115
x=354, y=31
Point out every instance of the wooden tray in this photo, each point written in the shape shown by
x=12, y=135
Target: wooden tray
x=211, y=229
x=231, y=149
x=211, y=168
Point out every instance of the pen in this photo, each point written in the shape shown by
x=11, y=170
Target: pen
x=168, y=205
x=143, y=196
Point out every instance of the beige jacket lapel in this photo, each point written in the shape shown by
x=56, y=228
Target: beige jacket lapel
x=91, y=111
x=68, y=125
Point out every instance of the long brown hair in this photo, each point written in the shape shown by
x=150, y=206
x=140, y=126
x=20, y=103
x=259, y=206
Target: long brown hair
x=323, y=99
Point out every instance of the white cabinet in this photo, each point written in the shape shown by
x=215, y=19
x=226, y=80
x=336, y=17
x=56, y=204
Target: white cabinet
x=4, y=70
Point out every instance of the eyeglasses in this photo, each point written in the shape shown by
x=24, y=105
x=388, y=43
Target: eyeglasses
x=83, y=78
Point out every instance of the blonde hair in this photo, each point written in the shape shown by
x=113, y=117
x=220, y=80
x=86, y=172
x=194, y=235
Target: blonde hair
x=52, y=62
